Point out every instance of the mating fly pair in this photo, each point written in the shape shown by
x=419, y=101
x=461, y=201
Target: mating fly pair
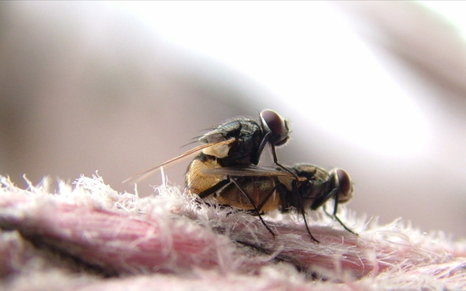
x=226, y=169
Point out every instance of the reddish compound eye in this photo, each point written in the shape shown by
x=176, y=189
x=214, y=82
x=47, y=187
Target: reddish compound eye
x=345, y=184
x=278, y=126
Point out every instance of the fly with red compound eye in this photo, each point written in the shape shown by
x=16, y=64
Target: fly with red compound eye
x=261, y=190
x=238, y=142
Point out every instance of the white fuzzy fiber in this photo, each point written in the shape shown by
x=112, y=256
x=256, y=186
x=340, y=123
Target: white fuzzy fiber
x=90, y=237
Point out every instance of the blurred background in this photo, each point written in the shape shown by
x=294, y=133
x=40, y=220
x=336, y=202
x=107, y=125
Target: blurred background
x=376, y=88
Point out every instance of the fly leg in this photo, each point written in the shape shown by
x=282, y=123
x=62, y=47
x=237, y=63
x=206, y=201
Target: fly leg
x=256, y=210
x=300, y=208
x=264, y=141
x=264, y=201
x=225, y=182
x=214, y=188
x=334, y=214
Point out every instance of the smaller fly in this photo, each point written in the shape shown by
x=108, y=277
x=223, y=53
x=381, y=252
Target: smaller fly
x=238, y=142
x=261, y=190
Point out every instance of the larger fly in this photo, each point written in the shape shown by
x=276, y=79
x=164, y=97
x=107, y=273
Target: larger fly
x=238, y=142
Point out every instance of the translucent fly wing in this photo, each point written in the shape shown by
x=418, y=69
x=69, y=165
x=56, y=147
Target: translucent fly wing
x=144, y=174
x=248, y=171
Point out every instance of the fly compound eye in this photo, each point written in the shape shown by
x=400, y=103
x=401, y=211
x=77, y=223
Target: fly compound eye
x=345, y=185
x=278, y=126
